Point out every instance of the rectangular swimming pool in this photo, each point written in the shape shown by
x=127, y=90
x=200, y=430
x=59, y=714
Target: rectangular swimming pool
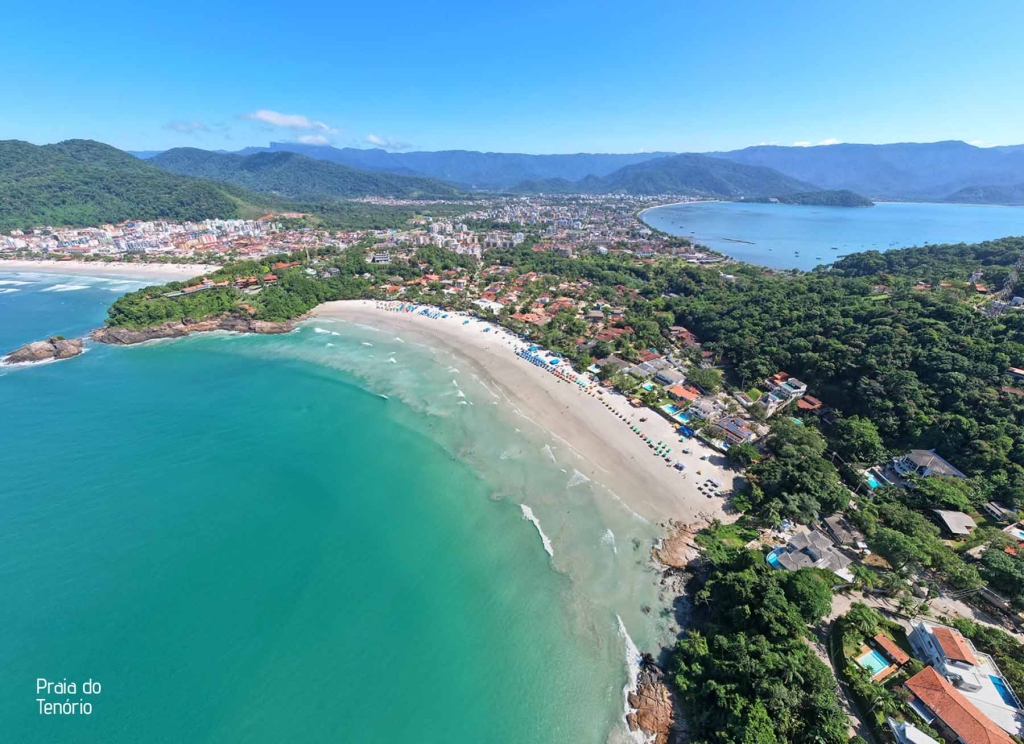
x=874, y=662
x=773, y=560
x=873, y=482
x=1003, y=690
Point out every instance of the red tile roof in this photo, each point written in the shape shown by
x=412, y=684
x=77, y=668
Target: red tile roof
x=891, y=650
x=954, y=645
x=969, y=724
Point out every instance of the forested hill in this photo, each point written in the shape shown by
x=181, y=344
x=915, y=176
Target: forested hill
x=81, y=182
x=923, y=364
x=293, y=176
x=830, y=198
x=690, y=175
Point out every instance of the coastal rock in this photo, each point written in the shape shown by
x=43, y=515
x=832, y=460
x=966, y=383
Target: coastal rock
x=177, y=329
x=653, y=708
x=678, y=548
x=43, y=351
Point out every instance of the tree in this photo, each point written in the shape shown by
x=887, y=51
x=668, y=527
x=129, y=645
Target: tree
x=810, y=592
x=857, y=439
x=708, y=380
x=741, y=455
x=898, y=549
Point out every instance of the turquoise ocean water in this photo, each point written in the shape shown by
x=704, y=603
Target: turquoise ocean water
x=772, y=234
x=241, y=540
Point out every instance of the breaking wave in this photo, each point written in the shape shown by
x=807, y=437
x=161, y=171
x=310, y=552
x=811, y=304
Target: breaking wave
x=531, y=517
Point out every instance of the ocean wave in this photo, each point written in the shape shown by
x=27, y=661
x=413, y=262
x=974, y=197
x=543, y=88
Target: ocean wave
x=531, y=517
x=578, y=479
x=608, y=538
x=546, y=449
x=329, y=344
x=65, y=288
x=392, y=360
x=8, y=290
x=367, y=343
x=12, y=283
x=633, y=672
x=460, y=393
x=399, y=339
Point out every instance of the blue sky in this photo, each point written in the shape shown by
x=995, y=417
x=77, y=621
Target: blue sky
x=528, y=76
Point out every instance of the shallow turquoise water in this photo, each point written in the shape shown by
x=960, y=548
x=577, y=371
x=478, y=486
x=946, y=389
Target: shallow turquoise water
x=242, y=541
x=772, y=234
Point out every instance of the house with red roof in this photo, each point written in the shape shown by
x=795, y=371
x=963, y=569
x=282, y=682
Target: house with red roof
x=944, y=707
x=970, y=676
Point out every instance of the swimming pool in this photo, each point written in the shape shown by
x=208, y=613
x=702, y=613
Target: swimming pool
x=670, y=409
x=773, y=560
x=873, y=482
x=874, y=662
x=1003, y=690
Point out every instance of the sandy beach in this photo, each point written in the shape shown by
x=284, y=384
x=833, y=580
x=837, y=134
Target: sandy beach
x=609, y=452
x=164, y=272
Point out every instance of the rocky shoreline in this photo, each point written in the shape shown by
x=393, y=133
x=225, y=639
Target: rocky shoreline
x=655, y=712
x=52, y=349
x=120, y=336
x=57, y=348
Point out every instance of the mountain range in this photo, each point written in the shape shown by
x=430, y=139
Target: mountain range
x=937, y=171
x=688, y=174
x=292, y=175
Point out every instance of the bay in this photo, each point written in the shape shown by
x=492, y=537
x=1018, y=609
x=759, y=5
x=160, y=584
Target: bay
x=786, y=236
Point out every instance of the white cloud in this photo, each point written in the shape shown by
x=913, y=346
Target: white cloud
x=314, y=139
x=292, y=121
x=824, y=142
x=386, y=142
x=187, y=127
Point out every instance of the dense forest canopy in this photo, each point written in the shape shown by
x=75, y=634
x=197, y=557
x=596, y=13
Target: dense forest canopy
x=80, y=182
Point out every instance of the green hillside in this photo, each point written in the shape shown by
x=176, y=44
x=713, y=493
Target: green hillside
x=826, y=198
x=81, y=182
x=293, y=176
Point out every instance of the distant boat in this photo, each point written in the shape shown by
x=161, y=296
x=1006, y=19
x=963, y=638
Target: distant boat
x=835, y=248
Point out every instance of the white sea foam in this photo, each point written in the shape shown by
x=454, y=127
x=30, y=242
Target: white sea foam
x=392, y=360
x=463, y=403
x=546, y=449
x=633, y=671
x=455, y=383
x=329, y=344
x=12, y=283
x=453, y=369
x=65, y=288
x=367, y=343
x=321, y=330
x=460, y=393
x=399, y=339
x=531, y=517
x=578, y=479
x=8, y=290
x=608, y=538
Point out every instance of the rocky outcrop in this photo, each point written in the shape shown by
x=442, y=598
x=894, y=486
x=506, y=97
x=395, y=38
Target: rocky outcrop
x=45, y=351
x=653, y=708
x=678, y=548
x=179, y=328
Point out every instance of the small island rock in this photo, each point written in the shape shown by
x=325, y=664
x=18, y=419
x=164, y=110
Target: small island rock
x=55, y=347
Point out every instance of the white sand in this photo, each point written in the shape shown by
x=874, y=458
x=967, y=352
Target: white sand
x=610, y=454
x=164, y=272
